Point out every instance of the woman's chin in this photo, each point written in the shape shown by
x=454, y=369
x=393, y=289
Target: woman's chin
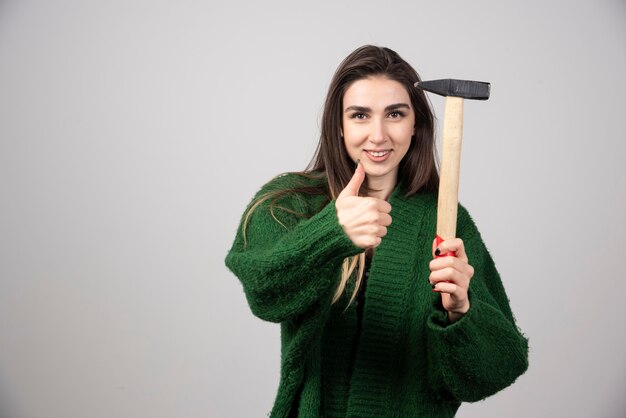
x=378, y=174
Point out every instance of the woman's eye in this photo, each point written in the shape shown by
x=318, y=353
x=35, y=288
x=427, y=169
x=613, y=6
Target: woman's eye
x=395, y=114
x=358, y=116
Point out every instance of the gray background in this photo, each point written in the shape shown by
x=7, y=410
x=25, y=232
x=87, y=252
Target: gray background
x=133, y=134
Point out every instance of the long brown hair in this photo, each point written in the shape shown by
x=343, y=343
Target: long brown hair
x=418, y=169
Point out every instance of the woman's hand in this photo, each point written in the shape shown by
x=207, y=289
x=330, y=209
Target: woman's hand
x=451, y=277
x=363, y=219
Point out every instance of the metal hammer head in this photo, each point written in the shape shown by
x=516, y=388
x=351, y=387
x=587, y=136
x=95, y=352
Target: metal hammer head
x=477, y=90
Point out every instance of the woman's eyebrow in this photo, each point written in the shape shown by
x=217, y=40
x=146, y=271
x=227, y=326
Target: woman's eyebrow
x=365, y=109
x=358, y=109
x=397, y=106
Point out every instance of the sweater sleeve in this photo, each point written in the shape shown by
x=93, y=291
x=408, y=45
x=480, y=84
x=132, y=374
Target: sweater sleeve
x=484, y=351
x=289, y=263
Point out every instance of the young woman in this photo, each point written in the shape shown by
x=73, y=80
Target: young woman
x=342, y=256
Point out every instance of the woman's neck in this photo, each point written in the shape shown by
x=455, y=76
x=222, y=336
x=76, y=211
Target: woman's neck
x=381, y=187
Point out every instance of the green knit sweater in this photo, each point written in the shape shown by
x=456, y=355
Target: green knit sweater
x=406, y=360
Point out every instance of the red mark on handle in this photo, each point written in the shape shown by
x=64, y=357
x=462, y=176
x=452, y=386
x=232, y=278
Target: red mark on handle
x=439, y=240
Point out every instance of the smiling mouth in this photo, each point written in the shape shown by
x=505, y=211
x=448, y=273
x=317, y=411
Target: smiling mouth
x=378, y=153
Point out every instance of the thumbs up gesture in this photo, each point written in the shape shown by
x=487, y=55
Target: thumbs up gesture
x=363, y=219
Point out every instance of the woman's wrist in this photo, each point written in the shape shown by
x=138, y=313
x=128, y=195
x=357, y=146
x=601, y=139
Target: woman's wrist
x=454, y=316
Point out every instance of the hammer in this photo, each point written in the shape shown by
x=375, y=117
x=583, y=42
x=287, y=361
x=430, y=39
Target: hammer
x=454, y=91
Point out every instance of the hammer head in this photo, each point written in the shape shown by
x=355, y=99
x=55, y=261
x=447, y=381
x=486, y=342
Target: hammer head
x=476, y=90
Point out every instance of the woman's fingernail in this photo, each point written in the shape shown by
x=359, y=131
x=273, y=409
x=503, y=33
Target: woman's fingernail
x=437, y=251
x=433, y=285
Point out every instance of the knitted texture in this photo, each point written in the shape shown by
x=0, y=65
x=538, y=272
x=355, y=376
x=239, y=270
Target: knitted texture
x=406, y=360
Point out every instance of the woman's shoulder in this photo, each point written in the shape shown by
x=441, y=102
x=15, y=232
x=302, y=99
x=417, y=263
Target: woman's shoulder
x=302, y=192
x=295, y=181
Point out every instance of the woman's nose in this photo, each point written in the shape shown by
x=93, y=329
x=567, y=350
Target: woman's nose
x=377, y=133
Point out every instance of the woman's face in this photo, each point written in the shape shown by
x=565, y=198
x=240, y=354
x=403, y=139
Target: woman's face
x=378, y=123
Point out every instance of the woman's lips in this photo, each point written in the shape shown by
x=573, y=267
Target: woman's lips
x=378, y=156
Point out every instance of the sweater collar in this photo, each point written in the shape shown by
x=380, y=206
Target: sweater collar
x=393, y=268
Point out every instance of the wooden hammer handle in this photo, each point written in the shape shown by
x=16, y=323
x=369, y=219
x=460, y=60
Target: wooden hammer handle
x=450, y=167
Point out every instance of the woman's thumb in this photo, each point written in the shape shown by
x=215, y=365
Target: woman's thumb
x=353, y=187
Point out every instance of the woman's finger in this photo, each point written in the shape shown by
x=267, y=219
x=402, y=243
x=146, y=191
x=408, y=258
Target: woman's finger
x=448, y=274
x=383, y=205
x=446, y=287
x=452, y=262
x=454, y=244
x=454, y=298
x=384, y=219
x=373, y=242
